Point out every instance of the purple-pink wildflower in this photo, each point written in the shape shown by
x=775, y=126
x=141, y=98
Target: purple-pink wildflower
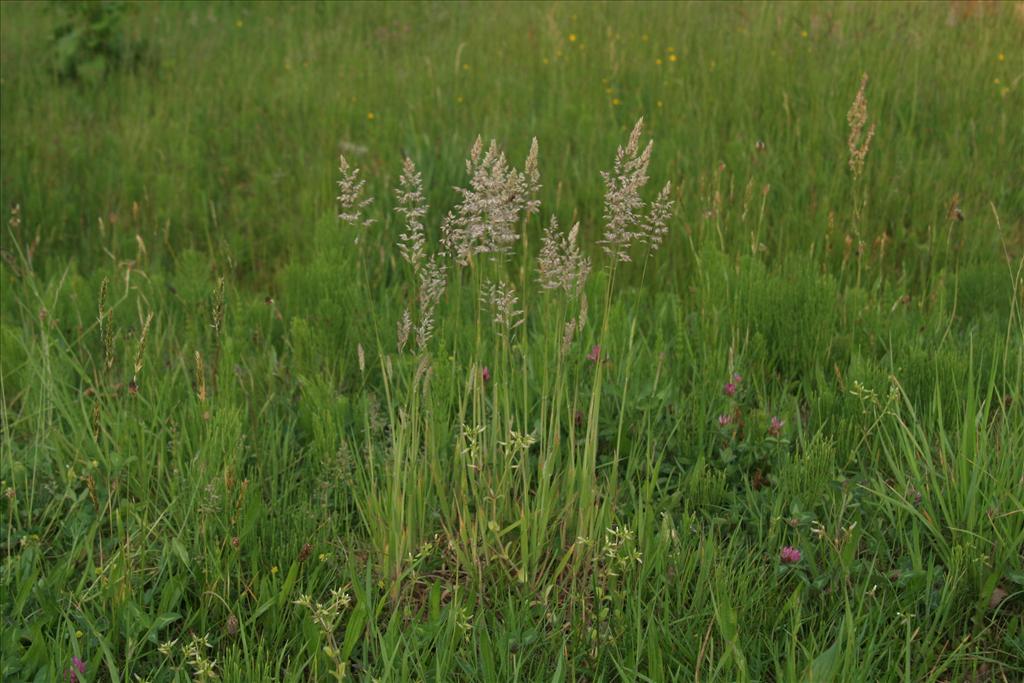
x=595, y=353
x=737, y=378
x=486, y=374
x=724, y=420
x=729, y=389
x=77, y=667
x=789, y=555
x=776, y=425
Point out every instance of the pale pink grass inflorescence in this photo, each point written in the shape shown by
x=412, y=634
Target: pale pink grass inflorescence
x=501, y=297
x=628, y=218
x=498, y=196
x=859, y=142
x=412, y=205
x=432, y=286
x=560, y=264
x=352, y=203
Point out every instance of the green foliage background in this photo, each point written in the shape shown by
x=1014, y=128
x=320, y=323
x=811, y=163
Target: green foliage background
x=881, y=327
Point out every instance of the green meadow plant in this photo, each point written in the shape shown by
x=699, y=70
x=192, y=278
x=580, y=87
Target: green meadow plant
x=502, y=505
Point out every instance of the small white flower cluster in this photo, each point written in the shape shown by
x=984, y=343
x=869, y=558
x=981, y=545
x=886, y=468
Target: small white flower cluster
x=325, y=614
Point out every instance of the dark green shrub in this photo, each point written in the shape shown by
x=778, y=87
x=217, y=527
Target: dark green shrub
x=90, y=42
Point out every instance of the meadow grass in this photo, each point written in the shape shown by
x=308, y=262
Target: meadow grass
x=257, y=428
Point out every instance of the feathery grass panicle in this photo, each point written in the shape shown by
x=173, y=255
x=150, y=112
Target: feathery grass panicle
x=140, y=351
x=352, y=203
x=568, y=334
x=532, y=176
x=560, y=264
x=106, y=320
x=502, y=298
x=404, y=330
x=430, y=271
x=217, y=307
x=412, y=205
x=658, y=214
x=200, y=378
x=859, y=142
x=485, y=220
x=432, y=286
x=628, y=218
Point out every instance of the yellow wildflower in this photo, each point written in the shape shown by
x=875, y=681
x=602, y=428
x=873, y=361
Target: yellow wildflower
x=370, y=116
x=572, y=37
x=672, y=58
